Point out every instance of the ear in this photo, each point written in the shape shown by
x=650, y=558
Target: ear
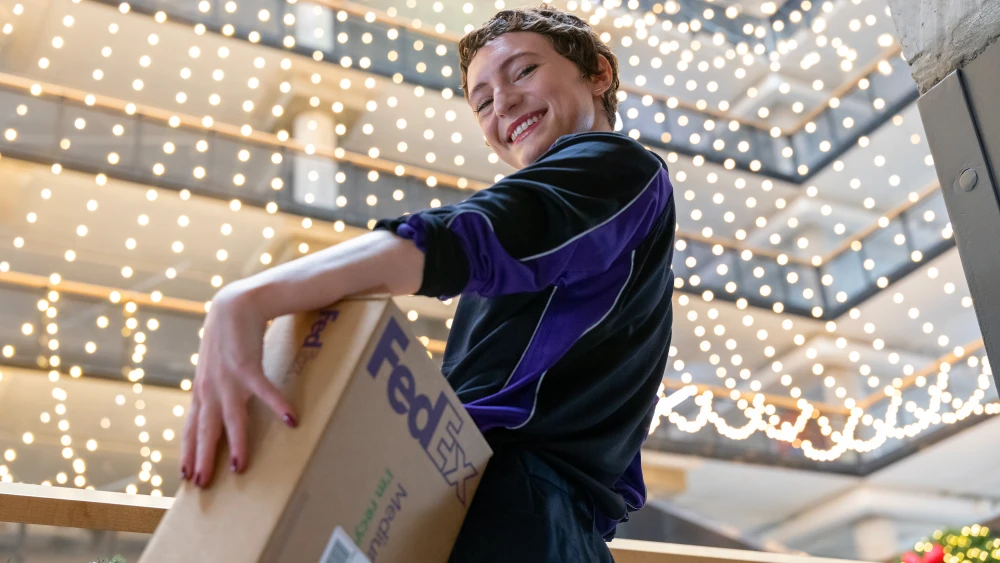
x=603, y=79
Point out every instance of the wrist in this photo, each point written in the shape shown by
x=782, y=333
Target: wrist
x=243, y=299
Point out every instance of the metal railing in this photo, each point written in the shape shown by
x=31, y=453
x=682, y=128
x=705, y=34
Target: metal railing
x=898, y=243
x=176, y=338
x=735, y=28
x=221, y=162
x=857, y=108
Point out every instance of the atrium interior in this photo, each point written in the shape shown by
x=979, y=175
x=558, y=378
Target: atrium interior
x=827, y=392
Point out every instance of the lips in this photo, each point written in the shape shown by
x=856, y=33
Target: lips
x=523, y=126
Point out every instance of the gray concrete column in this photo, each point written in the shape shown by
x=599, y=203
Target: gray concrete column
x=954, y=56
x=940, y=36
x=314, y=26
x=314, y=182
x=876, y=539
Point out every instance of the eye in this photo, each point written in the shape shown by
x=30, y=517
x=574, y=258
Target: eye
x=483, y=105
x=527, y=70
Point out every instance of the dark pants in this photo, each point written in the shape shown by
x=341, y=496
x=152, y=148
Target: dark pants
x=524, y=512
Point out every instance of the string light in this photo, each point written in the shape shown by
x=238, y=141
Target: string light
x=687, y=85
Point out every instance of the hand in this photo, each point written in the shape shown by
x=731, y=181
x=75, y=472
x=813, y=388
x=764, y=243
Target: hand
x=229, y=372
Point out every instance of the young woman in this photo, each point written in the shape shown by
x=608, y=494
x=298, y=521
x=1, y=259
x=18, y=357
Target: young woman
x=561, y=335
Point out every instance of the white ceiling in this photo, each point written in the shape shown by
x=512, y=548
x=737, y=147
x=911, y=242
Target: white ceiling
x=927, y=295
x=102, y=252
x=752, y=497
x=74, y=63
x=957, y=466
x=903, y=158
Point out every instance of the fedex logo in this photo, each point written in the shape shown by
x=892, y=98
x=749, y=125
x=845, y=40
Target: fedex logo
x=326, y=316
x=435, y=425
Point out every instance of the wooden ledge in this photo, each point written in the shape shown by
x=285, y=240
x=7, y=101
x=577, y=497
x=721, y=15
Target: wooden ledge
x=80, y=508
x=100, y=510
x=632, y=551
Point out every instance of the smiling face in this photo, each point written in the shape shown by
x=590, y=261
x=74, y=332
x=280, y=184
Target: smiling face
x=525, y=96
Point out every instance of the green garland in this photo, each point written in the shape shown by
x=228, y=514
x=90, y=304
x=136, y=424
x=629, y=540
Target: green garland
x=972, y=544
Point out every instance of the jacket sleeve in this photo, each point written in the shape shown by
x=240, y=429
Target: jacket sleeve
x=590, y=198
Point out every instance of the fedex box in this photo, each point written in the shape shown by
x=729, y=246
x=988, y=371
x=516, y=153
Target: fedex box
x=382, y=467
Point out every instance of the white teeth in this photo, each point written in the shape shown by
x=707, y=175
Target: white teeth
x=520, y=128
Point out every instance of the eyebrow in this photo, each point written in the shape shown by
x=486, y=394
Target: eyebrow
x=503, y=68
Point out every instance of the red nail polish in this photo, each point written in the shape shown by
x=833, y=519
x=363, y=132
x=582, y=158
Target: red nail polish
x=184, y=474
x=290, y=420
x=197, y=480
x=233, y=465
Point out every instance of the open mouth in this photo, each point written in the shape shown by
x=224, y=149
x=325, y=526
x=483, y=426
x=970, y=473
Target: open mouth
x=526, y=127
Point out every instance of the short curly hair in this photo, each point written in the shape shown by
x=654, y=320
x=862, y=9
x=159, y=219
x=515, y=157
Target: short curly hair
x=572, y=38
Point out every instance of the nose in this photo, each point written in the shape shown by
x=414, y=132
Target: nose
x=505, y=101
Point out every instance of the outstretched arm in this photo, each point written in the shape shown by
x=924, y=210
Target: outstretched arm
x=374, y=261
x=229, y=368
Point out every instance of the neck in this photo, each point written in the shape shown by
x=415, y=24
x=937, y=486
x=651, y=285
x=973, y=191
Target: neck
x=603, y=127
x=601, y=124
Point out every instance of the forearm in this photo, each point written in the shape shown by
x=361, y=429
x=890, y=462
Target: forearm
x=375, y=261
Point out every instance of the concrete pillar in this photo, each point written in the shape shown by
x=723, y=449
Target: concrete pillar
x=876, y=539
x=314, y=27
x=940, y=36
x=954, y=54
x=314, y=182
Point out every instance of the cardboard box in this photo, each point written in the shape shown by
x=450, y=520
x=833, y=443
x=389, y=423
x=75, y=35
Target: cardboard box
x=382, y=467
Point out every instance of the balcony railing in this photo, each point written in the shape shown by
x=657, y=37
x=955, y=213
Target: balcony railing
x=176, y=338
x=877, y=93
x=900, y=242
x=220, y=162
x=734, y=25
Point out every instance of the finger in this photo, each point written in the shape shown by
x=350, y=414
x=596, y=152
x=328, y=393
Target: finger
x=272, y=397
x=234, y=416
x=209, y=432
x=190, y=442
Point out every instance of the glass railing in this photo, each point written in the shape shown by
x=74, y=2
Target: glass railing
x=909, y=240
x=732, y=22
x=205, y=162
x=215, y=164
x=895, y=247
x=944, y=399
x=107, y=350
x=687, y=11
x=658, y=121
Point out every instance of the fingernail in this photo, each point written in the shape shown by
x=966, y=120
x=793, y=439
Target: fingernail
x=197, y=479
x=184, y=474
x=290, y=420
x=233, y=465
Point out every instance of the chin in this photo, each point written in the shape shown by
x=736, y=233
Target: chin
x=533, y=149
x=527, y=159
